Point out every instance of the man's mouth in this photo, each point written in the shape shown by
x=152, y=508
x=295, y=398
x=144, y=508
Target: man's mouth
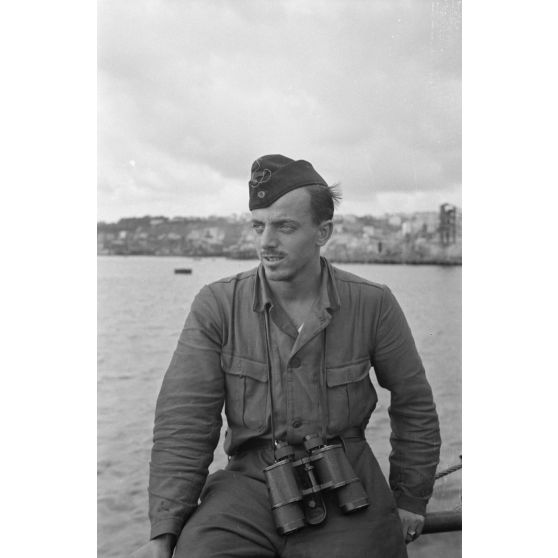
x=271, y=258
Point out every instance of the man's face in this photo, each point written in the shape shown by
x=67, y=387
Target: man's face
x=288, y=241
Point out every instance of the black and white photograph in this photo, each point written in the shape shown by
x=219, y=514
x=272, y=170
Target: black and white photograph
x=279, y=267
x=271, y=270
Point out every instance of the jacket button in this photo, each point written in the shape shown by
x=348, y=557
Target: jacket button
x=295, y=362
x=297, y=423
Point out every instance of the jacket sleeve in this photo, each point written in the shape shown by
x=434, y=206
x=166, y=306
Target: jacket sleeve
x=187, y=419
x=415, y=432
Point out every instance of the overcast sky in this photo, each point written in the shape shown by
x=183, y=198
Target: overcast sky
x=191, y=92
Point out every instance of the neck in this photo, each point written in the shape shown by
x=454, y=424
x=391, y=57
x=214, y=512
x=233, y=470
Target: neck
x=299, y=289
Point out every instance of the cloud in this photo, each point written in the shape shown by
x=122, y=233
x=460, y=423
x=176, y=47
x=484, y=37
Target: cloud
x=369, y=92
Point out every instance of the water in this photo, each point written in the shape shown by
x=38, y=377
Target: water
x=142, y=306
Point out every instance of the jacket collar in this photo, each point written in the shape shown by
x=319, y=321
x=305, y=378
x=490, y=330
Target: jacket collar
x=329, y=295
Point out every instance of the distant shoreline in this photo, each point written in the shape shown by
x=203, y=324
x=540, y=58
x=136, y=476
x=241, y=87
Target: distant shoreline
x=387, y=261
x=428, y=238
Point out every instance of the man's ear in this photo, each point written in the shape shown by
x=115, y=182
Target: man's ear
x=325, y=230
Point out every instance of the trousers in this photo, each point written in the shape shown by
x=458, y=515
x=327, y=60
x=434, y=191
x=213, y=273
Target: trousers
x=234, y=517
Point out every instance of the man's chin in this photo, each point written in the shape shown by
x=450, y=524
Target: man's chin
x=276, y=274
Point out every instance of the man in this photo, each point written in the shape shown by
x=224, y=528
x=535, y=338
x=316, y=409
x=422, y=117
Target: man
x=287, y=349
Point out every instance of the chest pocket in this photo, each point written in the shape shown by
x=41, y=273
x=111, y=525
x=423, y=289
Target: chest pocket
x=246, y=392
x=351, y=397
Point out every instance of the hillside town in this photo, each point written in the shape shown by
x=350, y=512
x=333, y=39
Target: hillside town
x=418, y=238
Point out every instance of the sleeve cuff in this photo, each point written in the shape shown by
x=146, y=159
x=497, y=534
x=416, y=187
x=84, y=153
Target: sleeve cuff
x=415, y=505
x=172, y=525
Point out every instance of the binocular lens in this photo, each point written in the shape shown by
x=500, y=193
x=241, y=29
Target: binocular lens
x=285, y=497
x=336, y=472
x=352, y=497
x=288, y=518
x=333, y=466
x=281, y=484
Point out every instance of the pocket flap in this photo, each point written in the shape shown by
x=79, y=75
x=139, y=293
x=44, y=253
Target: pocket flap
x=239, y=366
x=348, y=373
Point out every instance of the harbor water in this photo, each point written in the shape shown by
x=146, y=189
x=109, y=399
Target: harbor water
x=142, y=306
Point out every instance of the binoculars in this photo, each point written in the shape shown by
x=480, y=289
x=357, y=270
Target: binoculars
x=295, y=485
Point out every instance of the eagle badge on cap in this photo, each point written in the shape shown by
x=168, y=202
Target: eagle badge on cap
x=259, y=176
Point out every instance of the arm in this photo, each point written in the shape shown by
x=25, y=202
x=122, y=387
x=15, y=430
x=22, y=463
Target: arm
x=187, y=419
x=415, y=437
x=160, y=547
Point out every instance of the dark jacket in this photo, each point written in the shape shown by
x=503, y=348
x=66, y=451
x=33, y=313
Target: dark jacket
x=319, y=381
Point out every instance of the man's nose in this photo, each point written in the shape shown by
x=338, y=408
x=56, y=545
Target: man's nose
x=268, y=238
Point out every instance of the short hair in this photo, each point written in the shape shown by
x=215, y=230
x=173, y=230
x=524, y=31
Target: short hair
x=323, y=200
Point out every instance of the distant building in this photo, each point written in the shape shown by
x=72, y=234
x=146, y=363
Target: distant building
x=448, y=224
x=141, y=235
x=207, y=234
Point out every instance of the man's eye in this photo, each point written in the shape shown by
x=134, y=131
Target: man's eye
x=258, y=227
x=287, y=228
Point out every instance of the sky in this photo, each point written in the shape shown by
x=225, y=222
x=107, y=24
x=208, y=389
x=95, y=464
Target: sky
x=190, y=93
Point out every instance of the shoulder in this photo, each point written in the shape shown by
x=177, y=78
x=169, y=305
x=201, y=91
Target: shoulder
x=354, y=292
x=219, y=295
x=350, y=281
x=242, y=278
x=226, y=287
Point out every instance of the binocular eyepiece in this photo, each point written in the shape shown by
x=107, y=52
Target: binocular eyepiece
x=295, y=485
